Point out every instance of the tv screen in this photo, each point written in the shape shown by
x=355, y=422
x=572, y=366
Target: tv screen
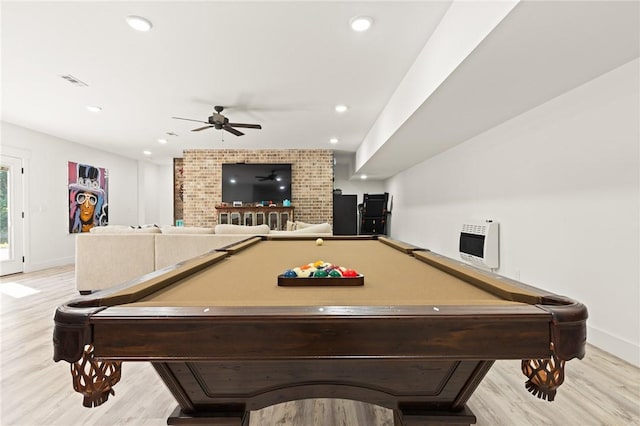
x=253, y=183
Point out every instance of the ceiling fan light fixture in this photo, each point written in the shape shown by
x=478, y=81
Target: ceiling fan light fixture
x=361, y=23
x=139, y=23
x=363, y=177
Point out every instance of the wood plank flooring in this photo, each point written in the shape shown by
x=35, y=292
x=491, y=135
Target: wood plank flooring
x=34, y=391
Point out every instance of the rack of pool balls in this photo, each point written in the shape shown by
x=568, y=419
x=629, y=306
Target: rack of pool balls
x=320, y=273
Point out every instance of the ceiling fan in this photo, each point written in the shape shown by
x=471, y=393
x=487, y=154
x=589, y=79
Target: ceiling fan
x=219, y=121
x=271, y=176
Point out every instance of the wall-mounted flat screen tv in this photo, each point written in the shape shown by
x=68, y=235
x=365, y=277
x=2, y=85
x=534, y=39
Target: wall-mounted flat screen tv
x=254, y=183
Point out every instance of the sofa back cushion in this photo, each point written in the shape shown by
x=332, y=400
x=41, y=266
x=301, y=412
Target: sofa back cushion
x=103, y=261
x=174, y=248
x=123, y=229
x=186, y=230
x=241, y=229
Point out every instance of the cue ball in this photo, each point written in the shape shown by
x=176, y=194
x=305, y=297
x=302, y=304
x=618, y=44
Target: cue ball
x=319, y=242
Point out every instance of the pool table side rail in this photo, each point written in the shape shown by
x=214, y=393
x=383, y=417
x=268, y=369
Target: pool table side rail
x=72, y=330
x=569, y=317
x=398, y=245
x=157, y=334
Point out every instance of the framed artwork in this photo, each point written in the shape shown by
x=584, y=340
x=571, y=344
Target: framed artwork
x=88, y=197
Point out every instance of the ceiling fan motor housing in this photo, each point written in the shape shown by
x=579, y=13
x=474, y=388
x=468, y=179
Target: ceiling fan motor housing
x=218, y=120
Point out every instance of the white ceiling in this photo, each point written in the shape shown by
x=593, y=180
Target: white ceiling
x=285, y=65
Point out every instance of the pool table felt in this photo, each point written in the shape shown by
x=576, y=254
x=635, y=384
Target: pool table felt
x=391, y=277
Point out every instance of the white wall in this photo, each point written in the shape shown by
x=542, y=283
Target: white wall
x=563, y=182
x=355, y=186
x=155, y=205
x=47, y=241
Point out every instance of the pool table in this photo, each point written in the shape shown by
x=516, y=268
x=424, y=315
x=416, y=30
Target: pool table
x=417, y=336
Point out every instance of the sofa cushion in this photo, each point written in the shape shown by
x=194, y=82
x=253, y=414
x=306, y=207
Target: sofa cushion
x=148, y=230
x=302, y=225
x=186, y=230
x=319, y=228
x=174, y=248
x=103, y=261
x=122, y=229
x=241, y=229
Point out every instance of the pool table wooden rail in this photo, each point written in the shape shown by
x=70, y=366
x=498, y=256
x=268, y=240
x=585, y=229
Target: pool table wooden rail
x=568, y=325
x=422, y=361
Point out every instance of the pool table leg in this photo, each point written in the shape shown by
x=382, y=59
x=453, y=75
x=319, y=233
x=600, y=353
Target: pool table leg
x=179, y=418
x=417, y=417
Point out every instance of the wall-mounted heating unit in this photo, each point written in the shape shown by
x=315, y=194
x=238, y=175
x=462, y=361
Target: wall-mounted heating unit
x=479, y=244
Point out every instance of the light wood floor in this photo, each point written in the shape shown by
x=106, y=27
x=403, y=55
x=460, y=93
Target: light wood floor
x=599, y=390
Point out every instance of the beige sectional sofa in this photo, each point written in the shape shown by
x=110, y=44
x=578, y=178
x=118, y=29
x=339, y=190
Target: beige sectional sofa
x=112, y=255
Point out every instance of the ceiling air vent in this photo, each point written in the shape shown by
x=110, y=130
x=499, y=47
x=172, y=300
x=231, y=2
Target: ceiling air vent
x=71, y=79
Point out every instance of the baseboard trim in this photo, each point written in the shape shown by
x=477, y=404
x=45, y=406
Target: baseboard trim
x=32, y=267
x=615, y=345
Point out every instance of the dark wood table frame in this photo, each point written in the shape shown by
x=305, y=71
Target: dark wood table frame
x=222, y=362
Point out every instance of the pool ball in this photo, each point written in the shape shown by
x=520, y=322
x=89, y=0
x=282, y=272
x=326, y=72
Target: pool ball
x=306, y=273
x=319, y=242
x=290, y=273
x=334, y=273
x=349, y=273
x=320, y=273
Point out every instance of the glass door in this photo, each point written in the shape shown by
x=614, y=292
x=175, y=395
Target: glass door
x=11, y=216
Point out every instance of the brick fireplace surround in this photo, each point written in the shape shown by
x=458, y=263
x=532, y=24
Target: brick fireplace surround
x=198, y=175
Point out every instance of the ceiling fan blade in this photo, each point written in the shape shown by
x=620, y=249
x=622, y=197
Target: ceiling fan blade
x=248, y=126
x=201, y=128
x=232, y=130
x=189, y=119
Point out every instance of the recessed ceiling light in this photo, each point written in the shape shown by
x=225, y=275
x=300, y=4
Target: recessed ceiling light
x=138, y=23
x=94, y=108
x=361, y=23
x=162, y=141
x=341, y=108
x=232, y=180
x=363, y=177
x=146, y=152
x=333, y=140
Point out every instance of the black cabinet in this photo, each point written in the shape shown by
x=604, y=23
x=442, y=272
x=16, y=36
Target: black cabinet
x=345, y=214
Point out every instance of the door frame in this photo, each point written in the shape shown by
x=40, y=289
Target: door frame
x=15, y=264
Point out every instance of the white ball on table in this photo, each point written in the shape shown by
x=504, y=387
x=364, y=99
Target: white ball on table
x=319, y=242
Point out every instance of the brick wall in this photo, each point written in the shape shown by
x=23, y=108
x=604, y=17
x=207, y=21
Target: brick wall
x=311, y=175
x=178, y=189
